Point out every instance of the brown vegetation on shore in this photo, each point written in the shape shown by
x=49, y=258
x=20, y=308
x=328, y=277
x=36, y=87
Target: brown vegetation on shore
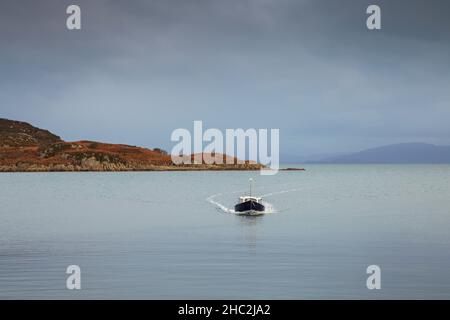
x=24, y=148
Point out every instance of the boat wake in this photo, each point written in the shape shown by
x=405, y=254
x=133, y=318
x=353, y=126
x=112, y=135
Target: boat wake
x=218, y=205
x=279, y=192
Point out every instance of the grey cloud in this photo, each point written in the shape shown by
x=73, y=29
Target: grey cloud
x=139, y=69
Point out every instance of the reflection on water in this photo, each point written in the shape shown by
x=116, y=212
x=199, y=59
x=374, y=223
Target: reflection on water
x=251, y=227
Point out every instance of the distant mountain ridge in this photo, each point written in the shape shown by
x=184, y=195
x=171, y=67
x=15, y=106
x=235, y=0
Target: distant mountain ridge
x=396, y=153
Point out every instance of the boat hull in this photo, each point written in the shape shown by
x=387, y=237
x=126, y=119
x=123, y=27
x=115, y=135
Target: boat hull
x=250, y=213
x=249, y=208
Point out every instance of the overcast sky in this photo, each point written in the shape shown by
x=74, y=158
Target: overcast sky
x=139, y=69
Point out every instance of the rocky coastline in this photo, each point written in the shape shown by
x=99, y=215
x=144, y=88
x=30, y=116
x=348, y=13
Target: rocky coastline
x=25, y=148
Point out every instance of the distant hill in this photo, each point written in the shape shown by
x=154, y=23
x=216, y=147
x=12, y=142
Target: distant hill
x=396, y=153
x=22, y=134
x=24, y=147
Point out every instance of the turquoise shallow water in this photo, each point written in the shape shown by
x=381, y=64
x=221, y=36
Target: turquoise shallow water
x=159, y=235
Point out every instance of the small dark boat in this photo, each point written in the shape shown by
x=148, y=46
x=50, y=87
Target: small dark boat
x=249, y=205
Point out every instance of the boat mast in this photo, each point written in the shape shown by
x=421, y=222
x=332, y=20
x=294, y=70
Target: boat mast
x=251, y=182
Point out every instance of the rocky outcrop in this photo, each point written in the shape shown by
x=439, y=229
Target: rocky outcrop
x=22, y=134
x=26, y=148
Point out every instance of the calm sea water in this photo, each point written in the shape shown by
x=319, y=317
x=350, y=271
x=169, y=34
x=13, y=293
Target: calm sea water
x=171, y=235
